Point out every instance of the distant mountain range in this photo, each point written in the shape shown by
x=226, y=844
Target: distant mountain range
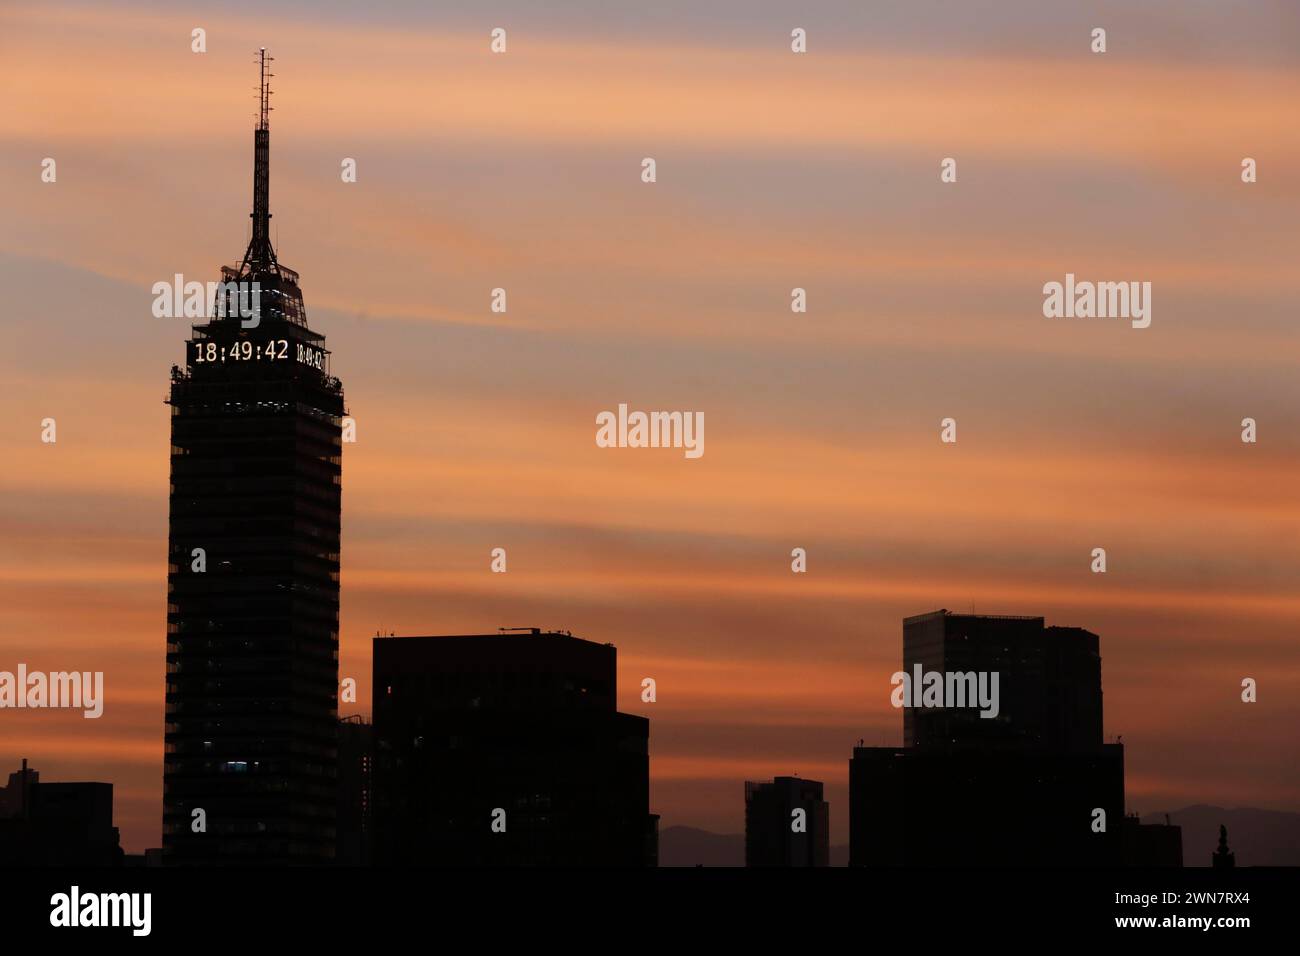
x=1257, y=837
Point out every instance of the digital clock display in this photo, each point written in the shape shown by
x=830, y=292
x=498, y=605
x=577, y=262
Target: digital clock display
x=272, y=350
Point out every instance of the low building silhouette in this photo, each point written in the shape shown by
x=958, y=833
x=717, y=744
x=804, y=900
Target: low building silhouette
x=1151, y=844
x=772, y=835
x=57, y=824
x=507, y=750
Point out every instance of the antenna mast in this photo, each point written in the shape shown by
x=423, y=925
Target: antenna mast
x=264, y=98
x=261, y=255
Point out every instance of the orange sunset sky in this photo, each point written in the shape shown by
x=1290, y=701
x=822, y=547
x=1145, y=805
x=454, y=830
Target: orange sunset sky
x=476, y=430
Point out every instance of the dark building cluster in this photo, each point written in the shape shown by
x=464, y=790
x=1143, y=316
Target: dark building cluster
x=502, y=749
x=508, y=749
x=1035, y=785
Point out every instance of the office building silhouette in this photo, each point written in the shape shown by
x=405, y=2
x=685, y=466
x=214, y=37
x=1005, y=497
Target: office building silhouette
x=57, y=824
x=507, y=749
x=787, y=823
x=1049, y=689
x=253, y=572
x=1035, y=785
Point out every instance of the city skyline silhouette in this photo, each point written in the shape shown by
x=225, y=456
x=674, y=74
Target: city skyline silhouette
x=474, y=429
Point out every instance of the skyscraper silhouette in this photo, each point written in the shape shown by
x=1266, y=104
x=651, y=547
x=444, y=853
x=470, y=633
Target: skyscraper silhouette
x=253, y=572
x=1032, y=784
x=1050, y=689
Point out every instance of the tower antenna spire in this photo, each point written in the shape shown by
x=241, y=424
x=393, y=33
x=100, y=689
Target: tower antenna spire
x=260, y=256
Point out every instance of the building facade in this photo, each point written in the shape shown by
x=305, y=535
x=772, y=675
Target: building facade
x=1049, y=682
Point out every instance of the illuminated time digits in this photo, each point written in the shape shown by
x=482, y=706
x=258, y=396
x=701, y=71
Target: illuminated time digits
x=245, y=351
x=249, y=351
x=310, y=356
